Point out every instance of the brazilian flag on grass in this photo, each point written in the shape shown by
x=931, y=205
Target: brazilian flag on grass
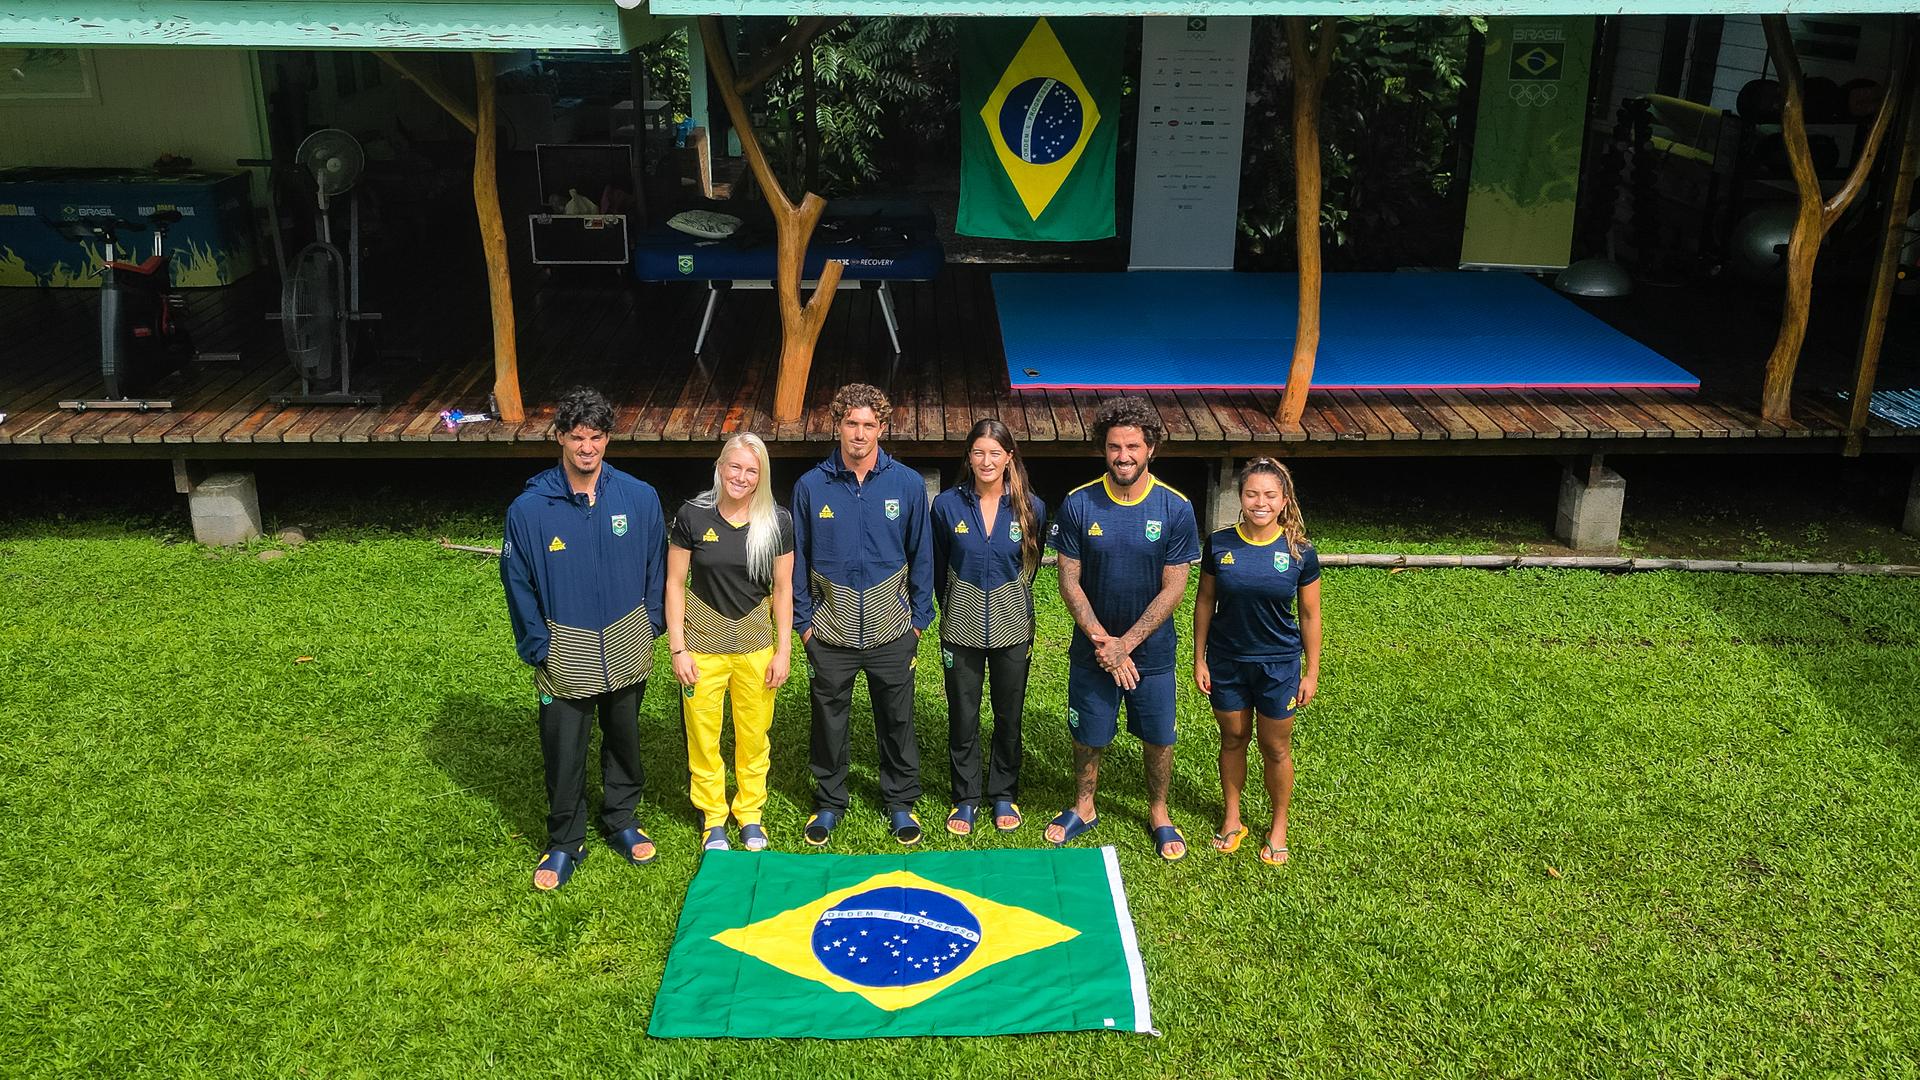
x=934, y=943
x=1039, y=117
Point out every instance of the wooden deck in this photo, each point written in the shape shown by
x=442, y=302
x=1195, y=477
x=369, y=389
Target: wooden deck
x=635, y=343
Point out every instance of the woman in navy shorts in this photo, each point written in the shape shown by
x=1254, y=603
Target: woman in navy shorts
x=1256, y=642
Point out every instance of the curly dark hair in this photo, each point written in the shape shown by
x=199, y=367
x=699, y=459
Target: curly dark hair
x=1133, y=412
x=583, y=406
x=861, y=396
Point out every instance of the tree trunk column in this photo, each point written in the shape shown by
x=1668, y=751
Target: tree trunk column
x=1887, y=270
x=1815, y=215
x=1309, y=78
x=800, y=323
x=493, y=240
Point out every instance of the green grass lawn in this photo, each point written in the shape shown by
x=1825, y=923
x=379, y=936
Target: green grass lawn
x=1546, y=824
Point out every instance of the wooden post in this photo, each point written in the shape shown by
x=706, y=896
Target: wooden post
x=1815, y=215
x=1309, y=78
x=493, y=240
x=1887, y=270
x=486, y=201
x=800, y=323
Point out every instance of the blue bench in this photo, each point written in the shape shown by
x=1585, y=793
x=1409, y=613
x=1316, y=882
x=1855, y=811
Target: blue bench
x=879, y=240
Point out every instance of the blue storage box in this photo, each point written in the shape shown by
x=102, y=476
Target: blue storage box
x=212, y=244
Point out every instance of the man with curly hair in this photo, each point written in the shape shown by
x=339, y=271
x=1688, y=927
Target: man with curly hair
x=1126, y=543
x=862, y=596
x=584, y=564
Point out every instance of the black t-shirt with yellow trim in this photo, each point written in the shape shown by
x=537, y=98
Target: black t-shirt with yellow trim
x=727, y=611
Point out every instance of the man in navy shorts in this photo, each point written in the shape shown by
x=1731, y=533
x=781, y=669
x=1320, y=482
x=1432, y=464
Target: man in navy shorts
x=1126, y=544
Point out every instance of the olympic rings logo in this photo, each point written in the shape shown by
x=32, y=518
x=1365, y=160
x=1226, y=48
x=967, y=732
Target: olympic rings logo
x=1529, y=95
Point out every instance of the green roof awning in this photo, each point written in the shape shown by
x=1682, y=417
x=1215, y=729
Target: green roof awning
x=1064, y=8
x=597, y=25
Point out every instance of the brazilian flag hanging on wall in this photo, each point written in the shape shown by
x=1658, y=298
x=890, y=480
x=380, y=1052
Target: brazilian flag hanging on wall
x=1039, y=123
x=935, y=943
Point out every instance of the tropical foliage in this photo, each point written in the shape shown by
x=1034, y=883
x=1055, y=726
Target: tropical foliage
x=1389, y=126
x=886, y=93
x=669, y=77
x=887, y=103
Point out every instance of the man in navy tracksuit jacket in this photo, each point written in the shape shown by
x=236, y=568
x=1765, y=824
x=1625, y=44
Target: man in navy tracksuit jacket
x=584, y=564
x=862, y=596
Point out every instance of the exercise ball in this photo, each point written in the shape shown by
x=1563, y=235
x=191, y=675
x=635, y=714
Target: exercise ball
x=1759, y=102
x=1758, y=247
x=1824, y=102
x=1863, y=97
x=1594, y=277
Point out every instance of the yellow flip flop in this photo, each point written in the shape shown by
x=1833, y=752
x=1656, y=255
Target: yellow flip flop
x=1268, y=851
x=1228, y=843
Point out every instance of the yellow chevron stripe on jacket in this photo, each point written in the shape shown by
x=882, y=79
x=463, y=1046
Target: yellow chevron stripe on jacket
x=977, y=619
x=710, y=632
x=856, y=619
x=581, y=663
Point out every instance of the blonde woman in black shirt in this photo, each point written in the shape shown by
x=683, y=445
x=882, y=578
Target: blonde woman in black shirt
x=730, y=625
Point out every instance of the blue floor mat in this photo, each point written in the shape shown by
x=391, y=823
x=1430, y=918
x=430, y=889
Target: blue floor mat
x=1197, y=329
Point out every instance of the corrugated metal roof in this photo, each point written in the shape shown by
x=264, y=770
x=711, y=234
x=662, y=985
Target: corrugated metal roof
x=339, y=24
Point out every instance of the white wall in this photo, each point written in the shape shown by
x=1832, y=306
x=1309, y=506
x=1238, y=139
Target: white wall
x=197, y=103
x=1636, y=69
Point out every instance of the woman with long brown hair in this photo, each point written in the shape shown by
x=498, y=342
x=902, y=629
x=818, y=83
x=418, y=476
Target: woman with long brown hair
x=1256, y=642
x=987, y=534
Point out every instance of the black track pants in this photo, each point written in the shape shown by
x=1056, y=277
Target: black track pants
x=1005, y=670
x=889, y=670
x=566, y=729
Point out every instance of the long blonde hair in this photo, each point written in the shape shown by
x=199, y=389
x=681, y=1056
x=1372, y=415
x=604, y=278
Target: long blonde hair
x=1292, y=522
x=763, y=517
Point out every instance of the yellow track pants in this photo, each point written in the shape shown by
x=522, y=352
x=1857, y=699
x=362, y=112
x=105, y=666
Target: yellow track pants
x=703, y=707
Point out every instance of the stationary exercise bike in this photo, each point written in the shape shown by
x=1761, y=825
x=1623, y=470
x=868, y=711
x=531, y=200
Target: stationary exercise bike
x=143, y=330
x=320, y=312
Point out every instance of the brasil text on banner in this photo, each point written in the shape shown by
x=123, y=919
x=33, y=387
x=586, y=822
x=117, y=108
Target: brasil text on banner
x=1039, y=123
x=937, y=943
x=1526, y=148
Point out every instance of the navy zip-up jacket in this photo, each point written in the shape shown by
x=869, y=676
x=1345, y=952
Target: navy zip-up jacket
x=863, y=563
x=986, y=601
x=586, y=581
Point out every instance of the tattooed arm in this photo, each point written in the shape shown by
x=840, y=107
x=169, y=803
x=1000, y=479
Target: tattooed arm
x=1076, y=600
x=1173, y=587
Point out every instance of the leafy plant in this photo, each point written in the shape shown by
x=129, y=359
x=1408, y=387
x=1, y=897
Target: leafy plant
x=669, y=78
x=885, y=91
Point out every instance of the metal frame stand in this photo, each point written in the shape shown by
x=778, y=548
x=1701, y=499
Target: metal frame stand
x=716, y=286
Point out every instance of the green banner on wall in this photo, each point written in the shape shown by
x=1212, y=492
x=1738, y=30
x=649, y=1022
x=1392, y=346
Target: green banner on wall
x=1526, y=150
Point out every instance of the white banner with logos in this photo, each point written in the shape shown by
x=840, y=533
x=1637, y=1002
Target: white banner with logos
x=1193, y=109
